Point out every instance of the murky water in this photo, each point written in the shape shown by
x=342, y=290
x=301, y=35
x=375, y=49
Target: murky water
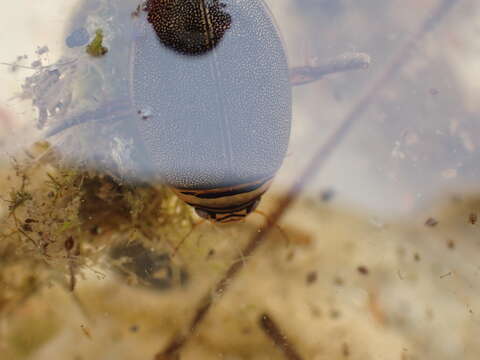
x=376, y=260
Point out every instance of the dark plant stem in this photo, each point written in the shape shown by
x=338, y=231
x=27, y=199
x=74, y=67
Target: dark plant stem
x=273, y=331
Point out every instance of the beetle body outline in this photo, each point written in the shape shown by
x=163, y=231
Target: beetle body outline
x=223, y=120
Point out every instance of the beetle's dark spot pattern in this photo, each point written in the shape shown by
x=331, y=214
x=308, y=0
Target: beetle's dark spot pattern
x=190, y=27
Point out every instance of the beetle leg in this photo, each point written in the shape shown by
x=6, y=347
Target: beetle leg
x=111, y=112
x=302, y=75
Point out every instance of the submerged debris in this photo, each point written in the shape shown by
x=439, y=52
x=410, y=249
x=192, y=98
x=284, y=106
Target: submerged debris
x=152, y=269
x=327, y=195
x=96, y=48
x=311, y=277
x=451, y=244
x=49, y=90
x=57, y=222
x=431, y=222
x=363, y=270
x=472, y=218
x=41, y=50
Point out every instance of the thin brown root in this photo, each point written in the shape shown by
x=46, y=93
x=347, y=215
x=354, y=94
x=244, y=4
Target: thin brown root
x=273, y=331
x=207, y=301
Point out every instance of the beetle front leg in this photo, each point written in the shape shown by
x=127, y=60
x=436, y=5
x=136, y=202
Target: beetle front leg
x=302, y=75
x=110, y=111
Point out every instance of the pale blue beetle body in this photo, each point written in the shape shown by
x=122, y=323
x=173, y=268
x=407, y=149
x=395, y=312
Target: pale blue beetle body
x=214, y=126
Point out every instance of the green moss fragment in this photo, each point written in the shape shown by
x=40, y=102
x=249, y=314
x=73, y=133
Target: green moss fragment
x=96, y=48
x=59, y=221
x=17, y=198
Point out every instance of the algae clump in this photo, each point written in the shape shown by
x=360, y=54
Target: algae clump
x=96, y=48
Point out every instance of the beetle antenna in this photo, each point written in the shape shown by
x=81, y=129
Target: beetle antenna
x=175, y=249
x=270, y=223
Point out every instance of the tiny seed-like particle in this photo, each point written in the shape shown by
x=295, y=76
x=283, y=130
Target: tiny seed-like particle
x=362, y=270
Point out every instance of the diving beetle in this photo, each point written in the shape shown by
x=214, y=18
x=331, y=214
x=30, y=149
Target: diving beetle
x=205, y=88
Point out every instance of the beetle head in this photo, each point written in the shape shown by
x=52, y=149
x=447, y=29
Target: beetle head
x=228, y=215
x=225, y=204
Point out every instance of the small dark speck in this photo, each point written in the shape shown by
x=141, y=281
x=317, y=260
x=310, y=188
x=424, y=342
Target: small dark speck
x=36, y=63
x=451, y=244
x=211, y=252
x=311, y=277
x=334, y=314
x=362, y=270
x=78, y=37
x=338, y=281
x=401, y=252
x=246, y=330
x=345, y=350
x=69, y=243
x=416, y=257
x=27, y=227
x=472, y=218
x=445, y=275
x=315, y=311
x=431, y=222
x=327, y=195
x=42, y=50
x=134, y=328
x=399, y=274
x=290, y=256
x=429, y=314
x=145, y=114
x=434, y=91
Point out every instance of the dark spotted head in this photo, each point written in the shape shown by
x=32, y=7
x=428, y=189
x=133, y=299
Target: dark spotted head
x=225, y=204
x=190, y=27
